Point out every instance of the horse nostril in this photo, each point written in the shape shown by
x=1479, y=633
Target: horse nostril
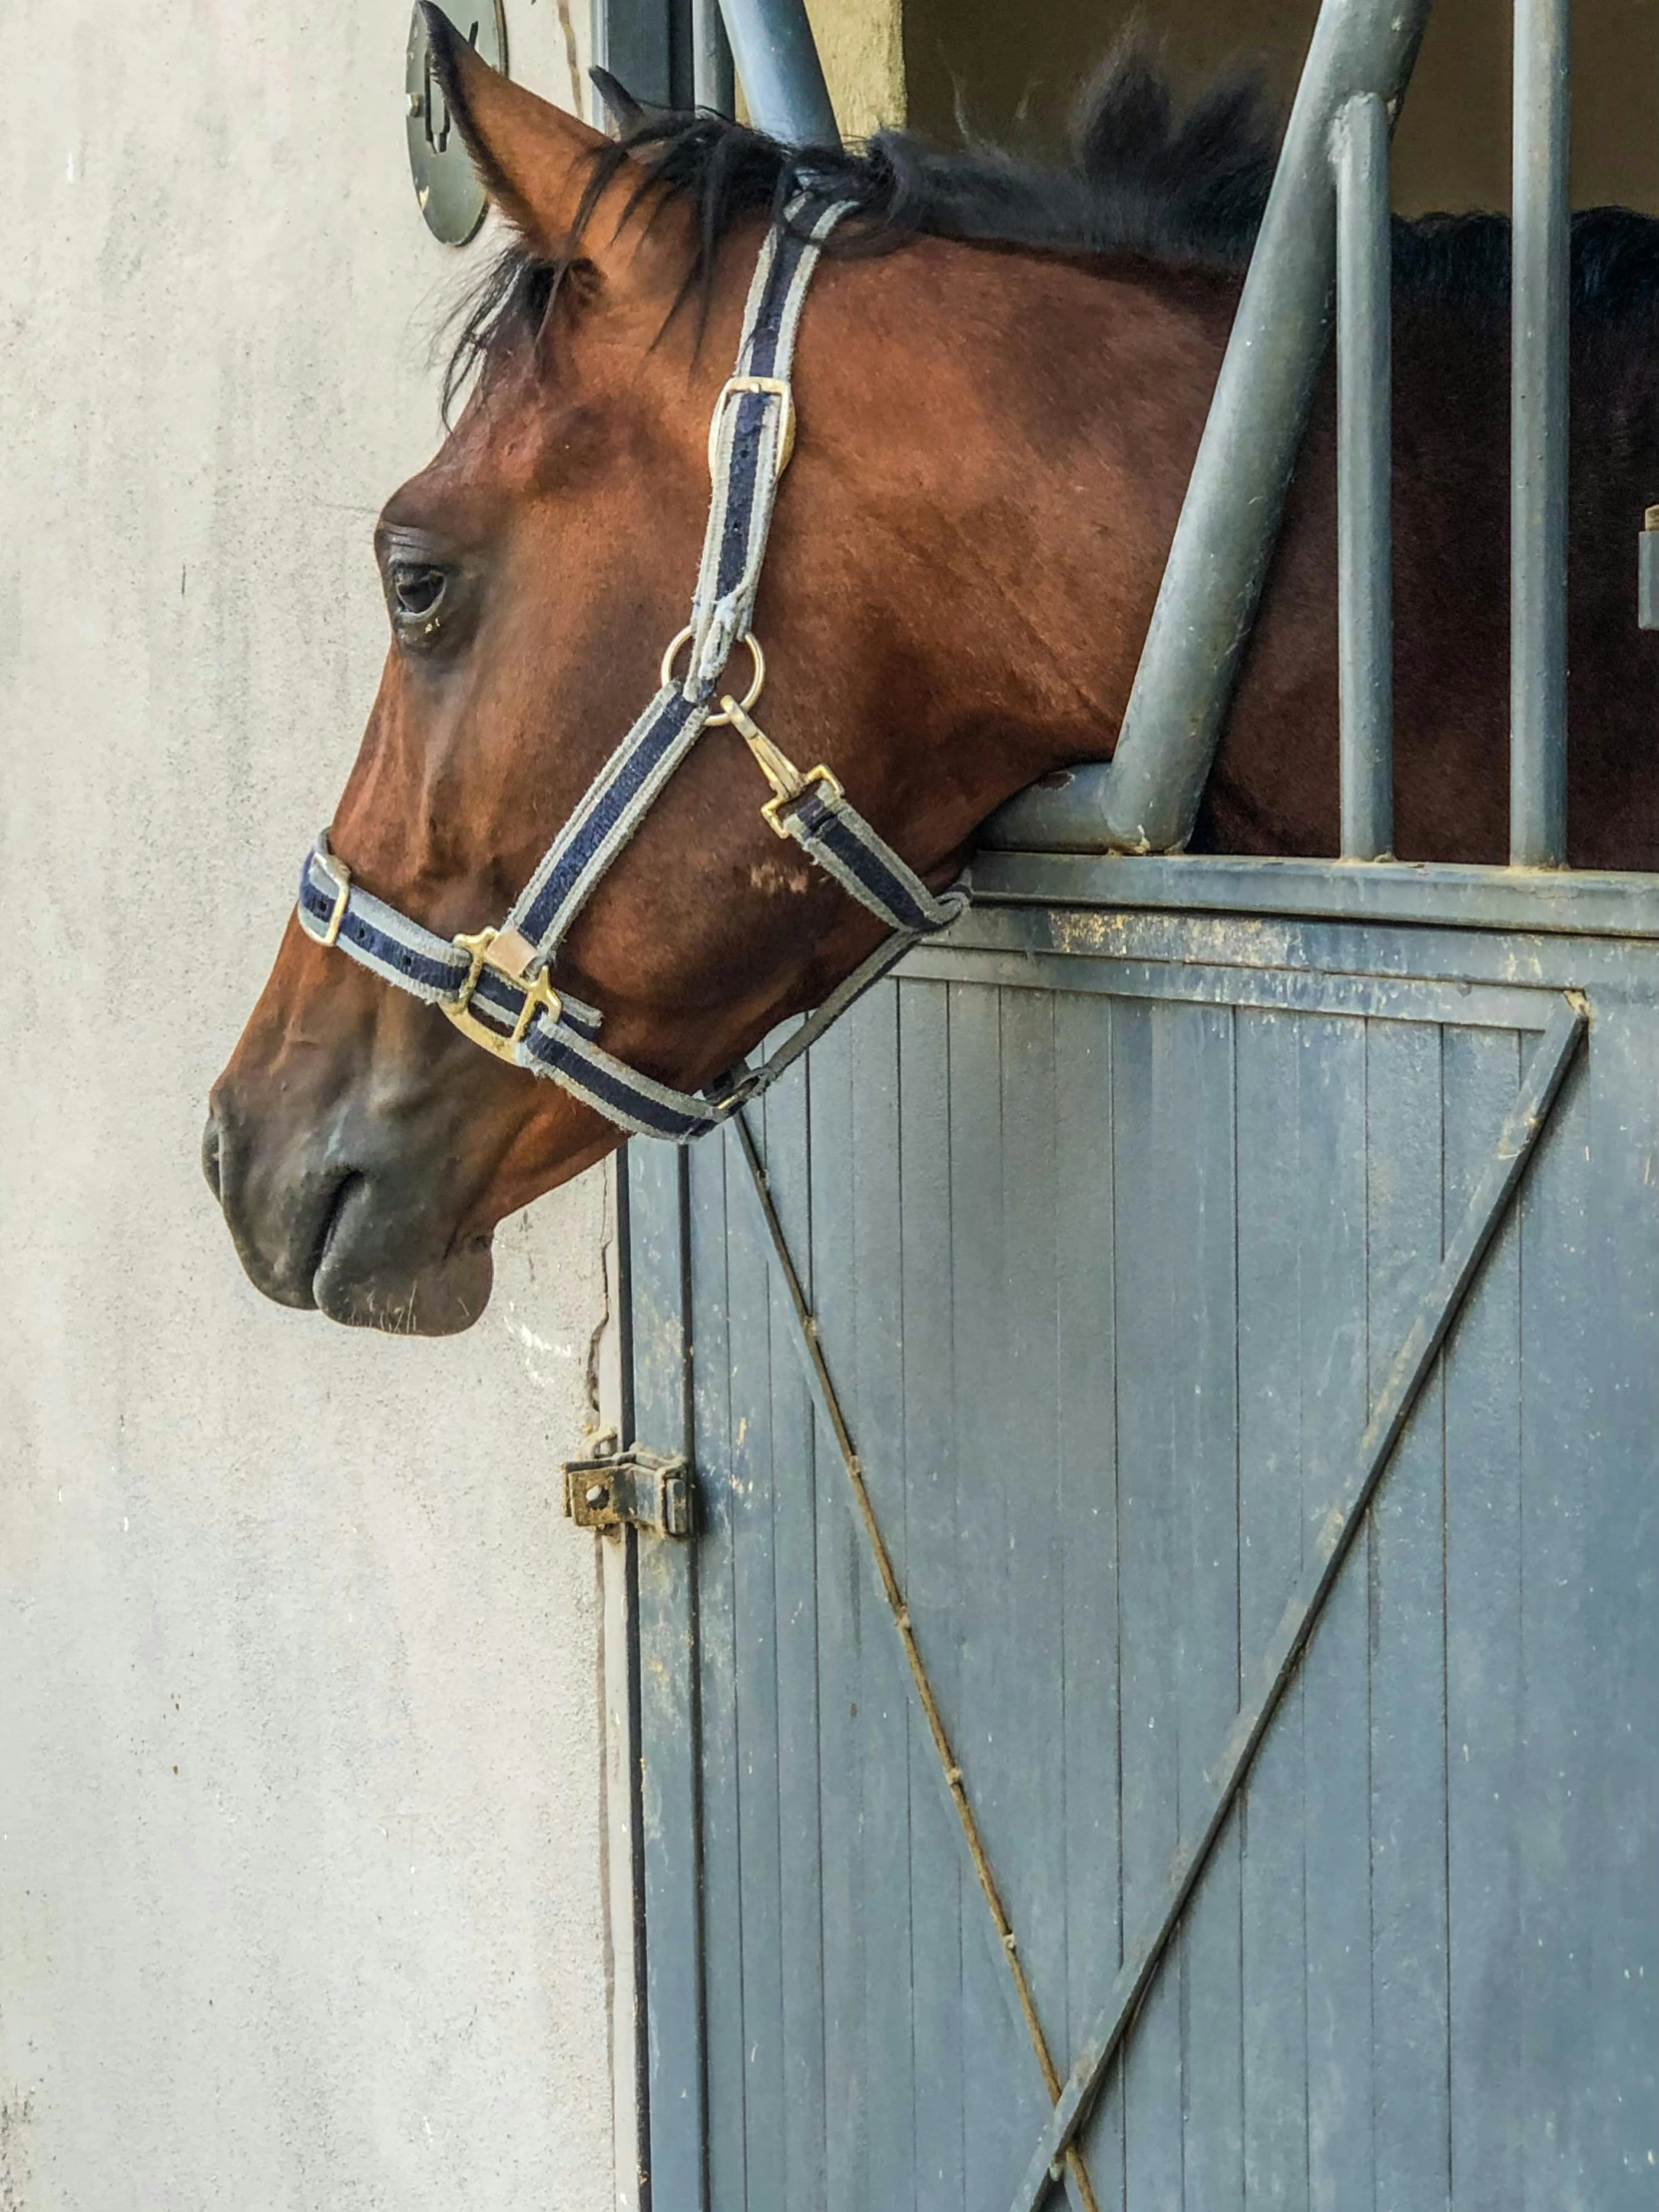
x=210, y=1156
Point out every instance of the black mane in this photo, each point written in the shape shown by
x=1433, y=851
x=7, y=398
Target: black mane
x=1185, y=188
x=1144, y=179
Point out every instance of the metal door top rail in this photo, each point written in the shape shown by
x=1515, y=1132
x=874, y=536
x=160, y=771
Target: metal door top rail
x=1045, y=852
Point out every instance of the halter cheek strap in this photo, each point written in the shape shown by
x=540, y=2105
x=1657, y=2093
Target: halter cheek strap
x=495, y=985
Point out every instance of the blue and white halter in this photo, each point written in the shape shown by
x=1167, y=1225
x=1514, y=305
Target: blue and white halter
x=495, y=986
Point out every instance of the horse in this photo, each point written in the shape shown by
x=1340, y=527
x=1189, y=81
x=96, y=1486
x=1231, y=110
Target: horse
x=1001, y=378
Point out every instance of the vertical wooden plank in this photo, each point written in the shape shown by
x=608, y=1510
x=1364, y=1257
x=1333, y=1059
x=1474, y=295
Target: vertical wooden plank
x=1484, y=1713
x=1588, y=1941
x=1267, y=1052
x=723, y=1881
x=842, y=1597
x=796, y=1476
x=1409, y=1843
x=1149, y=1215
x=1003, y=2092
x=1330, y=1199
x=863, y=1341
x=938, y=1901
x=1025, y=1823
x=1086, y=1451
x=1562, y=1312
x=1604, y=1596
x=751, y=1520
x=669, y=1748
x=1203, y=1246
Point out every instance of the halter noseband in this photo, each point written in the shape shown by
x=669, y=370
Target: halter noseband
x=495, y=986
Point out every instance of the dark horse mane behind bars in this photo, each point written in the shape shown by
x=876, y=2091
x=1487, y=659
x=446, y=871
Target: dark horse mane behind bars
x=1184, y=187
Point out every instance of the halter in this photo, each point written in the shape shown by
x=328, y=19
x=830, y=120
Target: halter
x=495, y=985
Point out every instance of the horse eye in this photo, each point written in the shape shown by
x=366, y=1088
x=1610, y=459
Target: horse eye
x=415, y=591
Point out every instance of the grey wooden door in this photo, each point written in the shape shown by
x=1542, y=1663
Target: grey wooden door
x=1111, y=1222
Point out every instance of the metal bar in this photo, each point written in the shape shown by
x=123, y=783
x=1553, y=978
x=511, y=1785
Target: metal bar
x=1229, y=519
x=1365, y=411
x=633, y=39
x=637, y=2040
x=1158, y=975
x=1455, y=895
x=1538, y=442
x=948, y=1767
x=670, y=1715
x=1413, y=1365
x=780, y=71
x=711, y=78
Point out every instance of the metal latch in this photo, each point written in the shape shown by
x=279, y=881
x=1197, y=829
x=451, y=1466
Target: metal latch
x=635, y=1488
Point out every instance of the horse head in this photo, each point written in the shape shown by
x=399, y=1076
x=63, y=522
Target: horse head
x=913, y=608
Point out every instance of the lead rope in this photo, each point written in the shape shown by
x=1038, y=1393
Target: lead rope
x=1079, y=2186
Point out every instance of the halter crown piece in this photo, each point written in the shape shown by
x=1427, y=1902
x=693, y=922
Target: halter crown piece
x=495, y=986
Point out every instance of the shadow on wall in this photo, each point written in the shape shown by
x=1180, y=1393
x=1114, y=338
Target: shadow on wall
x=1011, y=74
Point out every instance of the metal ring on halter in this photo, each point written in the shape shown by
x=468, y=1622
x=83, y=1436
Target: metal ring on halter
x=749, y=638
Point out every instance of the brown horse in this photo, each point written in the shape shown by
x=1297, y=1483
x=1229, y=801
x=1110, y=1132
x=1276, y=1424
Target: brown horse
x=996, y=425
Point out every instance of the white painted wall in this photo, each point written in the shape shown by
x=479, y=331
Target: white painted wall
x=300, y=1868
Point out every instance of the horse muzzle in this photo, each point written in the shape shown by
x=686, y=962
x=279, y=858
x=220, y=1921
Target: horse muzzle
x=327, y=1224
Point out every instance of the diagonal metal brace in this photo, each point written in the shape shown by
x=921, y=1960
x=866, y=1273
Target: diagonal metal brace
x=1413, y=1363
x=948, y=1768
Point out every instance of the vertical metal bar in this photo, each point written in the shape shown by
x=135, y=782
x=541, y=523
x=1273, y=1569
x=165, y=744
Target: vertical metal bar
x=633, y=39
x=779, y=69
x=1538, y=442
x=669, y=1715
x=1229, y=519
x=639, y=2178
x=1365, y=550
x=711, y=78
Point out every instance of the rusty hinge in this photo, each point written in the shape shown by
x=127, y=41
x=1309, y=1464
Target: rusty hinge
x=635, y=1488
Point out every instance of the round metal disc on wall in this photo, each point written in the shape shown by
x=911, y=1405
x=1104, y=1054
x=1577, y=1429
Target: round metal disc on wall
x=451, y=198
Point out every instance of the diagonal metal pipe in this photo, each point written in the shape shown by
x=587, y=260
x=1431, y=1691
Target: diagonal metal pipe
x=779, y=69
x=1230, y=519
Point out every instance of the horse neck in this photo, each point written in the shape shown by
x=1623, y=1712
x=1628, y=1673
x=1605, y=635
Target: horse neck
x=1032, y=447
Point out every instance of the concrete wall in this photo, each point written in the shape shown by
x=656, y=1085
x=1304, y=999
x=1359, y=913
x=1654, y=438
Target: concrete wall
x=861, y=45
x=300, y=1868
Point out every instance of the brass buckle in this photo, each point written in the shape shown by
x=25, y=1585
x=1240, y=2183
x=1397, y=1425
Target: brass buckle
x=777, y=388
x=774, y=809
x=343, y=877
x=539, y=996
x=789, y=785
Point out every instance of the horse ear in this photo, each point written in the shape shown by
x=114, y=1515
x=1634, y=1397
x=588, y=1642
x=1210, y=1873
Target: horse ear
x=534, y=160
x=620, y=105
